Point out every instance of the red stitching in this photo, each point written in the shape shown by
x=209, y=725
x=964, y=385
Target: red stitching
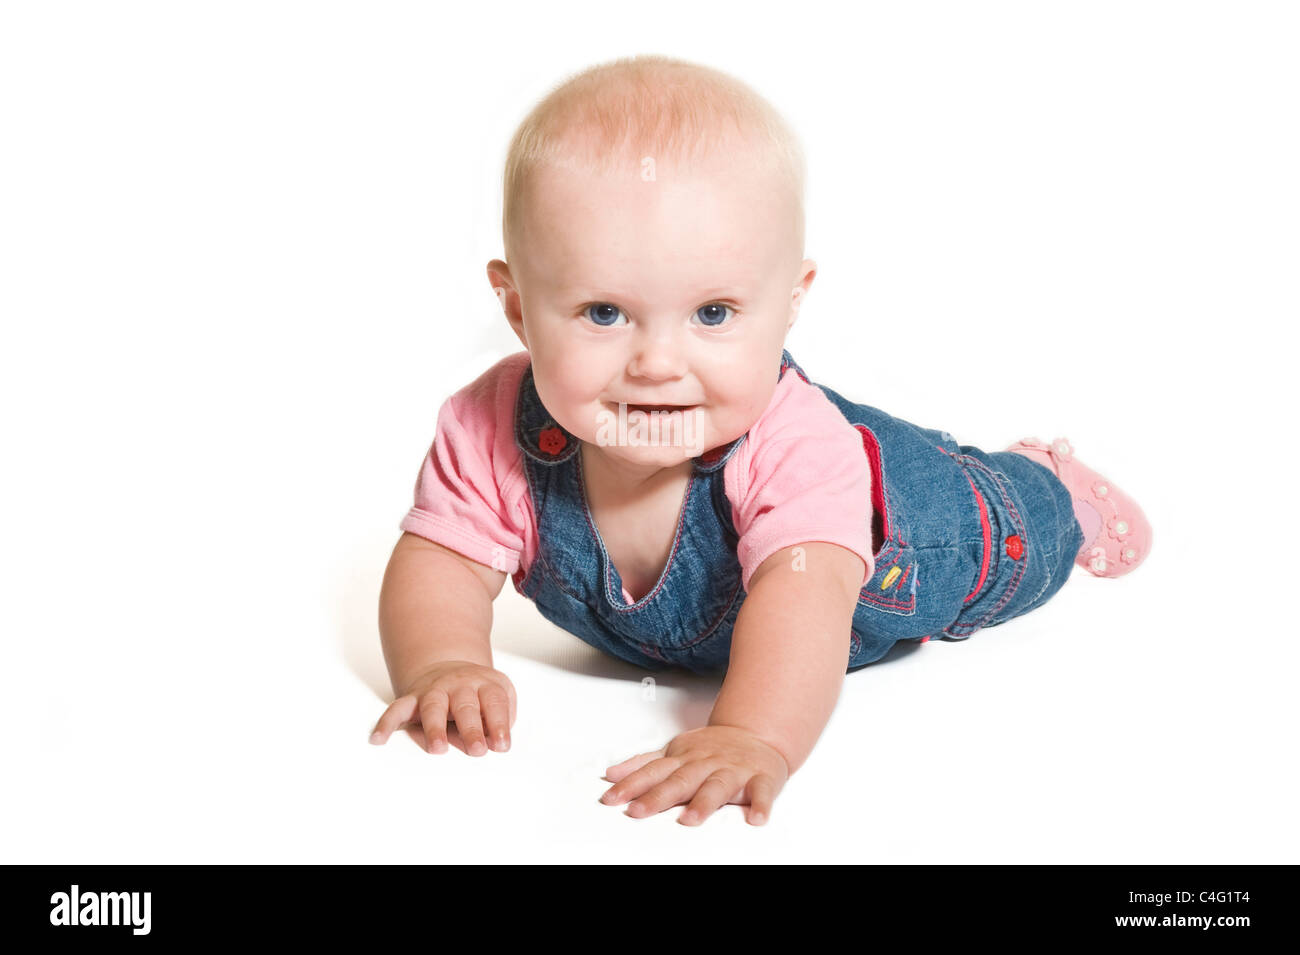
x=1020, y=566
x=970, y=627
x=909, y=604
x=987, y=533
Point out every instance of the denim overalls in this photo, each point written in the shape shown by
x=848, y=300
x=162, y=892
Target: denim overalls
x=963, y=539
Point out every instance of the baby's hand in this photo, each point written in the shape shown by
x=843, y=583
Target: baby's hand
x=469, y=694
x=714, y=764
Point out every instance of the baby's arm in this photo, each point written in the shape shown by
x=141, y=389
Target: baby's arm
x=790, y=648
x=789, y=653
x=435, y=622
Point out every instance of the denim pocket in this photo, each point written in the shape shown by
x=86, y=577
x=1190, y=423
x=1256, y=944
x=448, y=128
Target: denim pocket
x=892, y=586
x=1007, y=551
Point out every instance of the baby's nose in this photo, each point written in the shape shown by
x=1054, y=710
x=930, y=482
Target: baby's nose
x=660, y=358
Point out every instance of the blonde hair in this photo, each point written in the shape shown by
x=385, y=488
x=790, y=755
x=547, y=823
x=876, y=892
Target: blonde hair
x=607, y=117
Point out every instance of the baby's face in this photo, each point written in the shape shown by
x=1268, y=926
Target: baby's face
x=672, y=291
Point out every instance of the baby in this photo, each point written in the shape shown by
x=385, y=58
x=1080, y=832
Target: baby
x=664, y=481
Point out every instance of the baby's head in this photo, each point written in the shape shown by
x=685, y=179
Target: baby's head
x=653, y=225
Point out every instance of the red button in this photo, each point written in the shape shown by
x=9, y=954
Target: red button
x=552, y=440
x=1015, y=547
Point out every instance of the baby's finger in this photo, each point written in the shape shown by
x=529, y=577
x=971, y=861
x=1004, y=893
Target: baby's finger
x=762, y=793
x=514, y=704
x=433, y=719
x=464, y=710
x=634, y=784
x=496, y=715
x=453, y=737
x=680, y=786
x=400, y=711
x=715, y=793
x=620, y=770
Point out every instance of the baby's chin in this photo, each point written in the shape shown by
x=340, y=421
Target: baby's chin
x=663, y=455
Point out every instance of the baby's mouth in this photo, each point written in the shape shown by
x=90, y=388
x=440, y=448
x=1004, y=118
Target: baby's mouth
x=662, y=409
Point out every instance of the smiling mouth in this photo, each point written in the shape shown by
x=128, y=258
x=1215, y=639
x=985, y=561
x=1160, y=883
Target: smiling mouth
x=662, y=409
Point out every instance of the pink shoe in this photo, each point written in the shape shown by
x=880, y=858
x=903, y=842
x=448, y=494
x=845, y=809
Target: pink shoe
x=1124, y=539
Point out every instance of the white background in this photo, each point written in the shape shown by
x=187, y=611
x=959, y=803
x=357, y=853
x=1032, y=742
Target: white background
x=242, y=251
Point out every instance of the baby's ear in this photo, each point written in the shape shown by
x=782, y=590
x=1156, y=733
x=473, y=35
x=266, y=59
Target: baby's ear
x=503, y=288
x=797, y=295
x=498, y=274
x=807, y=272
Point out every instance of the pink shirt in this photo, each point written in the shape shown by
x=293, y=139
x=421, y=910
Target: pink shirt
x=801, y=475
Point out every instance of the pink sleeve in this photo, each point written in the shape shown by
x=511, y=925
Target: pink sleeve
x=801, y=475
x=471, y=494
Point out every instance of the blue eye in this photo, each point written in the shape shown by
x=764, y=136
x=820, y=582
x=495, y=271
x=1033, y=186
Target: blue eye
x=603, y=314
x=713, y=315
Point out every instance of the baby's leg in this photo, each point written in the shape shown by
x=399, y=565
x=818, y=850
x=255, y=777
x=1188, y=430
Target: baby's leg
x=1089, y=518
x=1117, y=535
